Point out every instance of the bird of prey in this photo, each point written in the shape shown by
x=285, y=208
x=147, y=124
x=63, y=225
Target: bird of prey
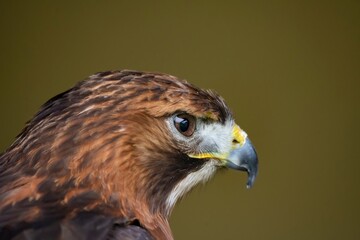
x=109, y=158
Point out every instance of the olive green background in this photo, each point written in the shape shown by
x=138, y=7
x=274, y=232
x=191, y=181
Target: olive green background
x=288, y=69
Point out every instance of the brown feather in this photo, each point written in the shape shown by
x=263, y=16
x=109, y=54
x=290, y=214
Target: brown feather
x=102, y=147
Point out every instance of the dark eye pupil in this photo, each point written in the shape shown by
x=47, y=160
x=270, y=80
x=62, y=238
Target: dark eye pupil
x=184, y=125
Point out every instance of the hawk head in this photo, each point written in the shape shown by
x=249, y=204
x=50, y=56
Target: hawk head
x=125, y=144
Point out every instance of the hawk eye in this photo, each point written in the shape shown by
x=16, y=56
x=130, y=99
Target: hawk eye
x=185, y=124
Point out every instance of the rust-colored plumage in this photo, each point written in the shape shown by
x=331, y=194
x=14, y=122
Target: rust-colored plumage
x=99, y=162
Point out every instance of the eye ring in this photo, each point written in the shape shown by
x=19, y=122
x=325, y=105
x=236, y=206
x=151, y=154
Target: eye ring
x=185, y=124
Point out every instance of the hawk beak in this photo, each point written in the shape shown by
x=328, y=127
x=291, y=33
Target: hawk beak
x=243, y=156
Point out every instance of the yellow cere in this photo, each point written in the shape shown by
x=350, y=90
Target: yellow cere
x=238, y=134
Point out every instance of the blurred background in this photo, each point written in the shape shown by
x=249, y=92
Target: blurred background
x=289, y=71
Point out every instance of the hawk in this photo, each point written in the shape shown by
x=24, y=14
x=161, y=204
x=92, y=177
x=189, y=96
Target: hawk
x=109, y=158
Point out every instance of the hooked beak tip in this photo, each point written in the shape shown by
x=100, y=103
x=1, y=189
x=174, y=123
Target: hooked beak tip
x=244, y=158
